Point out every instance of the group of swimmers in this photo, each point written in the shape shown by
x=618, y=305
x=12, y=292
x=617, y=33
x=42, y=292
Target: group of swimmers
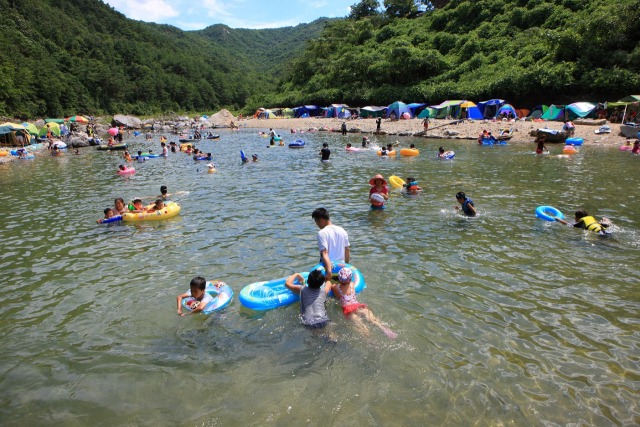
x=136, y=206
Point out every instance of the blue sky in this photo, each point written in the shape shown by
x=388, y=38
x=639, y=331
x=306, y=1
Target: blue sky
x=198, y=14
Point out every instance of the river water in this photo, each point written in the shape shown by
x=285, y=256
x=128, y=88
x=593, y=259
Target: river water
x=502, y=319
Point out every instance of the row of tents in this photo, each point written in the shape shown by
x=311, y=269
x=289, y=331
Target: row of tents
x=29, y=129
x=493, y=108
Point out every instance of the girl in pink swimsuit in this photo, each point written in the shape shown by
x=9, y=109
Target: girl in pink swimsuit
x=346, y=294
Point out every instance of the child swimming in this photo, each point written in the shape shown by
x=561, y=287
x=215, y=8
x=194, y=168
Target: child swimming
x=411, y=186
x=136, y=206
x=468, y=208
x=313, y=313
x=345, y=291
x=108, y=213
x=587, y=222
x=202, y=299
x=158, y=206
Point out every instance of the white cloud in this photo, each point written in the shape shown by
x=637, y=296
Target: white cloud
x=258, y=25
x=216, y=7
x=189, y=26
x=315, y=3
x=145, y=10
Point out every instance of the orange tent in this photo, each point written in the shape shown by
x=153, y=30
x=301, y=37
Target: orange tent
x=522, y=113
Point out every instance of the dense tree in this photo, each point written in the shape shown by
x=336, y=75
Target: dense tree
x=364, y=9
x=400, y=8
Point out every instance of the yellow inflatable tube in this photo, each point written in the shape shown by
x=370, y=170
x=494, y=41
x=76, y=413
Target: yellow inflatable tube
x=396, y=181
x=170, y=210
x=389, y=153
x=409, y=152
x=183, y=147
x=4, y=153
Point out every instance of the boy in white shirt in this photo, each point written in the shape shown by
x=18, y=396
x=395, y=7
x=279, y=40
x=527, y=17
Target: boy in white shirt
x=333, y=241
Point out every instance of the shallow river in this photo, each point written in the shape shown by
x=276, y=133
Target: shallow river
x=502, y=319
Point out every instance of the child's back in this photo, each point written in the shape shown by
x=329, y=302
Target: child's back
x=312, y=310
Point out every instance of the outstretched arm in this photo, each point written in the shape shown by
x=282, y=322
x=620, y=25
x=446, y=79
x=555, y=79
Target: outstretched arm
x=561, y=221
x=293, y=287
x=324, y=256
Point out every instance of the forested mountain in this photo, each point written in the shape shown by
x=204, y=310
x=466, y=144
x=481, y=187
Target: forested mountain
x=65, y=57
x=526, y=51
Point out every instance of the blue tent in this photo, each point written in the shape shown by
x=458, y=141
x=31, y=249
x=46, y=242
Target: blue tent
x=489, y=109
x=307, y=111
x=506, y=109
x=416, y=108
x=398, y=108
x=339, y=111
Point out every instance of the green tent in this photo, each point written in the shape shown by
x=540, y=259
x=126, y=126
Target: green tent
x=428, y=113
x=288, y=112
x=555, y=112
x=55, y=129
x=31, y=128
x=631, y=98
x=369, y=112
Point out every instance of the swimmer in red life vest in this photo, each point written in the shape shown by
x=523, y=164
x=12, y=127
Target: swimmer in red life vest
x=587, y=222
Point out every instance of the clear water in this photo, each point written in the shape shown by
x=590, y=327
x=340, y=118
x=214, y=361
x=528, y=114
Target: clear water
x=502, y=319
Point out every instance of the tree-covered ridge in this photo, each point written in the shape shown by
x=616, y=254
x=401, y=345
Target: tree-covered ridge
x=526, y=51
x=63, y=57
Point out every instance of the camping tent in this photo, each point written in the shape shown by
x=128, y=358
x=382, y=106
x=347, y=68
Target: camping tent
x=447, y=108
x=59, y=121
x=631, y=98
x=538, y=111
x=258, y=112
x=372, y=112
x=579, y=109
x=428, y=113
x=489, y=109
x=467, y=110
x=555, y=112
x=522, y=112
x=398, y=109
x=338, y=111
x=288, y=112
x=416, y=108
x=307, y=111
x=508, y=110
x=31, y=128
x=55, y=129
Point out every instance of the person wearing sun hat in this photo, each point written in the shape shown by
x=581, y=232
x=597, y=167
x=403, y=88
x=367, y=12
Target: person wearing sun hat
x=379, y=186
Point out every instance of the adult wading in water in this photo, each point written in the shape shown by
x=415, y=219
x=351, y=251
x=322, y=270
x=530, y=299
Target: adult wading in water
x=344, y=128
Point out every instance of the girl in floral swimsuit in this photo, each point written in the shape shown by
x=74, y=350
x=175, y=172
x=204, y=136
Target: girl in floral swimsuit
x=345, y=291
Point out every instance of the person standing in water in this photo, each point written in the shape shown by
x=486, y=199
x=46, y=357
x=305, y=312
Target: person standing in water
x=325, y=152
x=333, y=241
x=541, y=145
x=344, y=128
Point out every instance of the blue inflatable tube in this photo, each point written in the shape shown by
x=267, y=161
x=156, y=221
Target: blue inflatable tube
x=298, y=143
x=29, y=157
x=548, y=213
x=222, y=296
x=243, y=156
x=273, y=294
x=574, y=141
x=112, y=219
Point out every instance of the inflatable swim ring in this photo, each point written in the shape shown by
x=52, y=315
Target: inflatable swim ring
x=298, y=143
x=409, y=152
x=547, y=213
x=112, y=219
x=127, y=170
x=624, y=148
x=243, y=156
x=293, y=131
x=389, y=153
x=213, y=137
x=222, y=296
x=183, y=147
x=574, y=141
x=447, y=155
x=110, y=148
x=4, y=153
x=27, y=157
x=277, y=138
x=273, y=294
x=170, y=210
x=354, y=149
x=569, y=149
x=396, y=181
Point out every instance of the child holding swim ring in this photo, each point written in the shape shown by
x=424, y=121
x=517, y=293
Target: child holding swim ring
x=379, y=187
x=345, y=291
x=108, y=213
x=200, y=298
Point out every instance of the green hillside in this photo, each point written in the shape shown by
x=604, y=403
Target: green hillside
x=526, y=51
x=65, y=57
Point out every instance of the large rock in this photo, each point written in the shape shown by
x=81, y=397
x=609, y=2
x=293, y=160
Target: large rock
x=222, y=118
x=148, y=122
x=126, y=121
x=78, y=140
x=165, y=128
x=38, y=123
x=102, y=130
x=184, y=118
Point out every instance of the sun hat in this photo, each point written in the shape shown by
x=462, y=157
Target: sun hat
x=345, y=274
x=372, y=181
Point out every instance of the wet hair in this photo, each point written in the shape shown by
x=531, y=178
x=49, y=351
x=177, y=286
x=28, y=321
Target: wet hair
x=441, y=149
x=325, y=145
x=139, y=153
x=461, y=195
x=136, y=201
x=208, y=154
x=163, y=189
x=410, y=179
x=107, y=210
x=349, y=145
x=119, y=198
x=315, y=279
x=121, y=167
x=581, y=213
x=412, y=146
x=198, y=282
x=320, y=213
x=162, y=144
x=159, y=201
